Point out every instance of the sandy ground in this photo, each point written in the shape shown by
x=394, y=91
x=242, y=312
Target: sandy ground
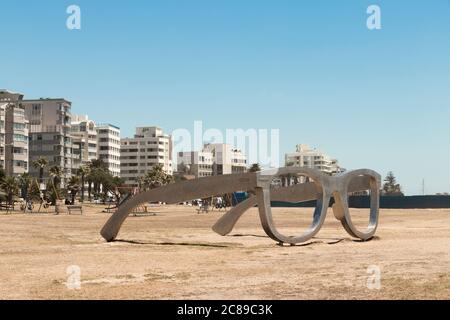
x=175, y=255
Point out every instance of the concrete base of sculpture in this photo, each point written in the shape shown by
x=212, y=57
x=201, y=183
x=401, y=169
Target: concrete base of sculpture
x=321, y=188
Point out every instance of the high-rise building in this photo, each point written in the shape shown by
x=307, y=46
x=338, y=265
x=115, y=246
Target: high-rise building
x=108, y=147
x=50, y=134
x=13, y=134
x=312, y=158
x=214, y=159
x=138, y=155
x=84, y=140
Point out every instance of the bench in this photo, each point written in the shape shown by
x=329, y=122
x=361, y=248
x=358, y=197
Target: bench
x=7, y=207
x=75, y=208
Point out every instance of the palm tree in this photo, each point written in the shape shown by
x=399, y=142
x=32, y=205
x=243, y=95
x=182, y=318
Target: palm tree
x=11, y=188
x=98, y=164
x=2, y=175
x=55, y=173
x=98, y=168
x=82, y=173
x=74, y=186
x=40, y=164
x=156, y=178
x=24, y=182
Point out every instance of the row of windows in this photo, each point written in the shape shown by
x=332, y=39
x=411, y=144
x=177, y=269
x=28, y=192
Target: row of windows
x=21, y=151
x=141, y=157
x=142, y=143
x=142, y=164
x=16, y=126
x=20, y=138
x=40, y=137
x=103, y=148
x=143, y=150
x=133, y=172
x=106, y=140
x=19, y=126
x=109, y=157
x=21, y=164
x=111, y=132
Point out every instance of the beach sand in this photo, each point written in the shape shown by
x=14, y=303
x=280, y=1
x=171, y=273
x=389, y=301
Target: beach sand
x=176, y=255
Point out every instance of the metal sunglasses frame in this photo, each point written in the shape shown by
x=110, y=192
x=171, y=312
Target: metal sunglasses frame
x=321, y=188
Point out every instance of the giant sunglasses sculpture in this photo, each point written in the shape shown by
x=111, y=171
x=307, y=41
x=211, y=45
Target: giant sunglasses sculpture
x=316, y=186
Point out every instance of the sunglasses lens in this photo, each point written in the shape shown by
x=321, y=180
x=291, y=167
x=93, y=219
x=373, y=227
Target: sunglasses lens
x=293, y=201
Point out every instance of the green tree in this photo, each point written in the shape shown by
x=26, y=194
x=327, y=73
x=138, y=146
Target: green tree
x=2, y=175
x=111, y=185
x=34, y=192
x=73, y=186
x=56, y=173
x=24, y=182
x=156, y=178
x=97, y=170
x=29, y=188
x=391, y=187
x=11, y=188
x=255, y=168
x=82, y=173
x=40, y=164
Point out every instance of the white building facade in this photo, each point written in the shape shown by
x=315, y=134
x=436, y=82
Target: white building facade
x=108, y=147
x=138, y=155
x=84, y=140
x=197, y=163
x=214, y=159
x=14, y=134
x=304, y=156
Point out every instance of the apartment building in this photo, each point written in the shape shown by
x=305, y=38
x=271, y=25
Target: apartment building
x=197, y=163
x=304, y=156
x=13, y=134
x=138, y=155
x=214, y=159
x=108, y=147
x=227, y=160
x=50, y=134
x=84, y=140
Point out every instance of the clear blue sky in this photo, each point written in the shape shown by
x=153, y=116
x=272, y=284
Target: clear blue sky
x=377, y=99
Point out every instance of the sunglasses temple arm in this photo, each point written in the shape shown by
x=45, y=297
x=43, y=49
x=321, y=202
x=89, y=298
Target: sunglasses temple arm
x=226, y=224
x=297, y=193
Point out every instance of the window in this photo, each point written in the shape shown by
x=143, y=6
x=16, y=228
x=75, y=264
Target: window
x=20, y=138
x=19, y=126
x=36, y=109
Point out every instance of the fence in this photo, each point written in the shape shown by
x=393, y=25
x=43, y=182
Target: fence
x=386, y=202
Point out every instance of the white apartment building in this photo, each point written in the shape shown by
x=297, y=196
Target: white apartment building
x=214, y=159
x=138, y=155
x=14, y=134
x=197, y=163
x=312, y=158
x=227, y=160
x=108, y=147
x=84, y=140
